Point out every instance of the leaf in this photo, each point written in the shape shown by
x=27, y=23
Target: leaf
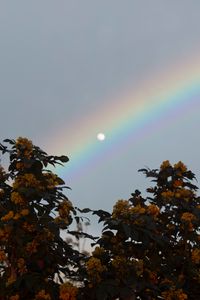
x=84, y=210
x=142, y=170
x=77, y=219
x=108, y=233
x=12, y=142
x=3, y=149
x=60, y=278
x=102, y=214
x=62, y=158
x=40, y=209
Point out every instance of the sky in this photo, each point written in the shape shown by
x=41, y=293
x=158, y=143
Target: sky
x=129, y=69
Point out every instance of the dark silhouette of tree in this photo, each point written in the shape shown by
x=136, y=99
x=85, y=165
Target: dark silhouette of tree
x=34, y=259
x=149, y=247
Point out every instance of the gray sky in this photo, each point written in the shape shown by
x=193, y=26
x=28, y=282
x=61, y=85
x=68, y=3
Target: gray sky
x=61, y=60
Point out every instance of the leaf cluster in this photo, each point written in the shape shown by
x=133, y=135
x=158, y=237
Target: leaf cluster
x=150, y=247
x=33, y=213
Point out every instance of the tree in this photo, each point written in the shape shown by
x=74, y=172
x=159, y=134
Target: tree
x=34, y=259
x=150, y=247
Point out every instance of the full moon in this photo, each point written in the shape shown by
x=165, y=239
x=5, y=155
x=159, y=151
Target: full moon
x=101, y=136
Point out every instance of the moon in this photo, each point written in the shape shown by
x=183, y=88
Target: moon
x=101, y=136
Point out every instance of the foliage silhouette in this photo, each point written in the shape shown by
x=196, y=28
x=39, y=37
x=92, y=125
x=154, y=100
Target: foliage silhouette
x=34, y=259
x=149, y=247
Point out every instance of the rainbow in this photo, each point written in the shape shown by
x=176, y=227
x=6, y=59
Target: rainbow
x=131, y=116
